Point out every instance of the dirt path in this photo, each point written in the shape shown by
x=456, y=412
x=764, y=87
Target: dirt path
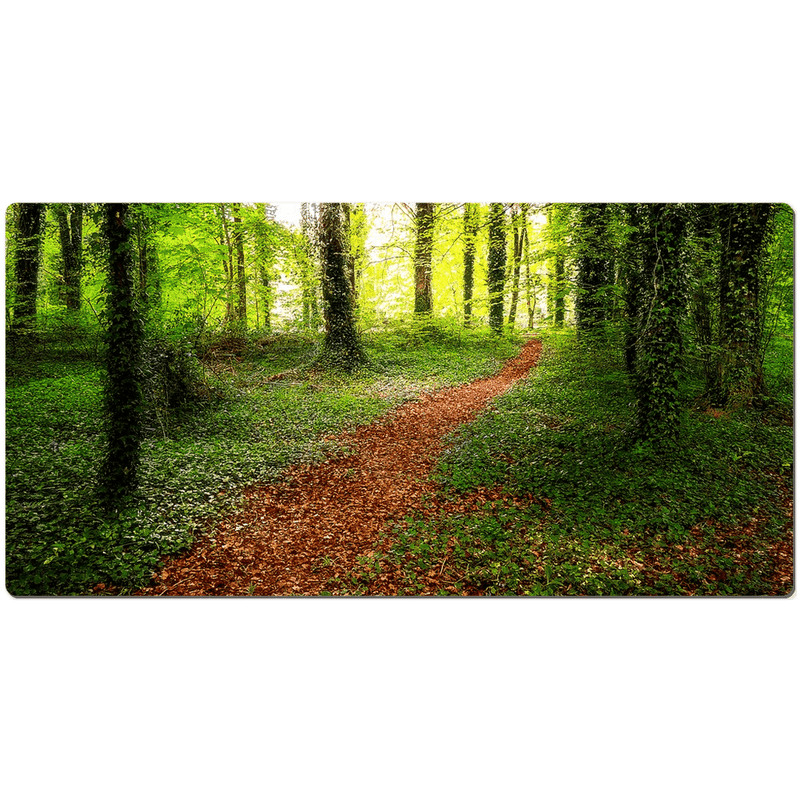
x=293, y=537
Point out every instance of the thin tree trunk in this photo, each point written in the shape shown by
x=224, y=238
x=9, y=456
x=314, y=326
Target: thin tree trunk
x=423, y=259
x=241, y=278
x=227, y=263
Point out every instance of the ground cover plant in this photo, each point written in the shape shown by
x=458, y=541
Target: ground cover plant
x=171, y=366
x=568, y=503
x=263, y=410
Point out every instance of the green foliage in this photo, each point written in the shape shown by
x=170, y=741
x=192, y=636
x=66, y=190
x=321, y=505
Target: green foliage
x=588, y=510
x=59, y=539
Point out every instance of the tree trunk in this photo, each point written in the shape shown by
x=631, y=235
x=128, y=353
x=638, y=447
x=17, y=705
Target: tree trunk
x=704, y=277
x=471, y=222
x=632, y=279
x=593, y=268
x=341, y=347
x=123, y=395
x=308, y=265
x=70, y=228
x=560, y=291
x=519, y=225
x=228, y=265
x=659, y=343
x=148, y=291
x=423, y=258
x=241, y=279
x=30, y=224
x=495, y=277
x=745, y=229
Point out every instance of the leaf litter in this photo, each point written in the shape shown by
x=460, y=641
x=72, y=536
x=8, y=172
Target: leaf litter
x=305, y=533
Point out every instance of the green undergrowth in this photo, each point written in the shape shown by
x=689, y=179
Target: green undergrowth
x=587, y=510
x=244, y=428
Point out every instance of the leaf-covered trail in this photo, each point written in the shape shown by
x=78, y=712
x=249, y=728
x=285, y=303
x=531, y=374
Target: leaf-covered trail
x=293, y=537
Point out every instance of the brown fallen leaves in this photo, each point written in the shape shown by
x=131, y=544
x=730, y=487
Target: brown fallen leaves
x=293, y=537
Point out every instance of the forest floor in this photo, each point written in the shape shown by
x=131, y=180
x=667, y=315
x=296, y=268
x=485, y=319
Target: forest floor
x=448, y=466
x=319, y=525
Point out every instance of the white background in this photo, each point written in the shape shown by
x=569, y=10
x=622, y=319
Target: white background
x=364, y=101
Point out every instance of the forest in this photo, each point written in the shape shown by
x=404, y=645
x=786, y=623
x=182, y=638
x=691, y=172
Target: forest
x=405, y=399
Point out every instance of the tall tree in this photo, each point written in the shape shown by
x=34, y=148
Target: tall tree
x=519, y=227
x=744, y=230
x=495, y=277
x=471, y=224
x=228, y=262
x=341, y=346
x=141, y=223
x=30, y=224
x=658, y=361
x=594, y=267
x=124, y=334
x=356, y=233
x=268, y=239
x=703, y=245
x=307, y=258
x=633, y=270
x=241, y=278
x=70, y=229
x=558, y=235
x=423, y=258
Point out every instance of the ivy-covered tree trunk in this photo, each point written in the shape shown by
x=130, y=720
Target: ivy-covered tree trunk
x=124, y=334
x=30, y=225
x=632, y=280
x=241, y=278
x=558, y=221
x=660, y=307
x=744, y=229
x=560, y=274
x=70, y=229
x=471, y=223
x=347, y=219
x=341, y=347
x=703, y=243
x=423, y=259
x=495, y=277
x=593, y=268
x=519, y=226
